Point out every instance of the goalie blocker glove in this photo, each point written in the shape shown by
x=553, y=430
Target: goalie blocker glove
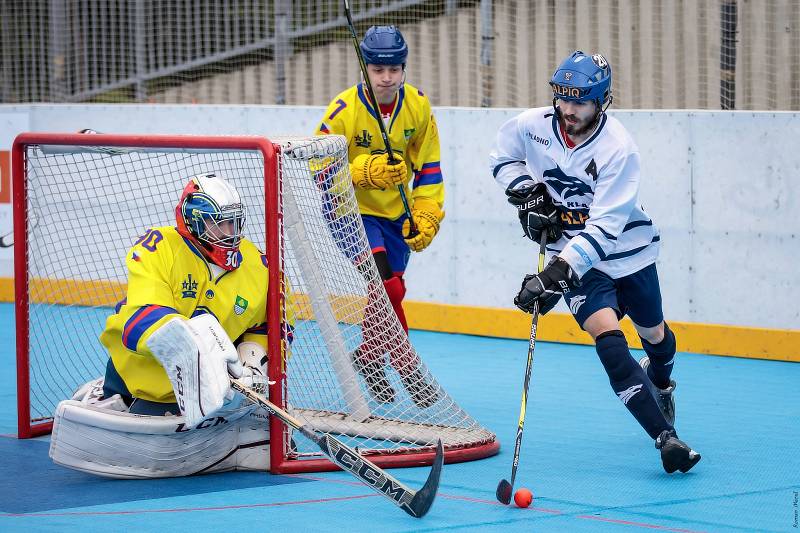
x=546, y=287
x=536, y=211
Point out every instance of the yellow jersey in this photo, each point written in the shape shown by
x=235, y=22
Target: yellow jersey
x=413, y=136
x=167, y=277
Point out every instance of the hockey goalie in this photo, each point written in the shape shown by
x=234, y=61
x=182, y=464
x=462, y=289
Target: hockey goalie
x=193, y=316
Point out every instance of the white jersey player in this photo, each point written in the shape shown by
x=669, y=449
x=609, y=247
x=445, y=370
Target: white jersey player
x=573, y=172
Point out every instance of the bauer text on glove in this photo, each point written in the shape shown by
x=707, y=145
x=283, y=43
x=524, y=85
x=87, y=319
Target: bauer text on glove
x=536, y=211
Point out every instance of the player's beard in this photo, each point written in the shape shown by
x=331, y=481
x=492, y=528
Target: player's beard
x=576, y=129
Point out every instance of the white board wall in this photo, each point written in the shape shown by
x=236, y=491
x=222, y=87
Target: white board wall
x=724, y=188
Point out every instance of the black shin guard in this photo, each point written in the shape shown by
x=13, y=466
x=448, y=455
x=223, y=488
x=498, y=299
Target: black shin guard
x=662, y=357
x=629, y=382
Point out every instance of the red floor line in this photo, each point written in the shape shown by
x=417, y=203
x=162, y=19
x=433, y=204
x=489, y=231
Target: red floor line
x=538, y=509
x=640, y=524
x=341, y=498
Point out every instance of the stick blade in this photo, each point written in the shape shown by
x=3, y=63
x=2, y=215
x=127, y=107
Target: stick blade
x=503, y=492
x=424, y=497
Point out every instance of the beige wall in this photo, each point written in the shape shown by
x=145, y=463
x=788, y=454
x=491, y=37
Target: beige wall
x=665, y=54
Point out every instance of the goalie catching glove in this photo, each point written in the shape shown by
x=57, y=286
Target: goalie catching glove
x=427, y=216
x=546, y=287
x=536, y=211
x=376, y=172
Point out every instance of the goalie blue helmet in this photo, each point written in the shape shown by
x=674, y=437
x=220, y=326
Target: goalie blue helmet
x=583, y=78
x=384, y=45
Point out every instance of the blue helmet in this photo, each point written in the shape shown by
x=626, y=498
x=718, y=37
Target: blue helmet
x=384, y=45
x=583, y=78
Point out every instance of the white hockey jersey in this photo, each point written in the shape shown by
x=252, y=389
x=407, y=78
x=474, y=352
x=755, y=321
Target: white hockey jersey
x=595, y=185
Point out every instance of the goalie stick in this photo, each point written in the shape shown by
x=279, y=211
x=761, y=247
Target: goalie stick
x=506, y=488
x=412, y=228
x=415, y=503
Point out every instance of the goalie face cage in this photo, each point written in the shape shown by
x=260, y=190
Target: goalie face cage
x=81, y=201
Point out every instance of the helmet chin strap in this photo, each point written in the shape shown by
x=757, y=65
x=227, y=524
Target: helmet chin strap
x=608, y=104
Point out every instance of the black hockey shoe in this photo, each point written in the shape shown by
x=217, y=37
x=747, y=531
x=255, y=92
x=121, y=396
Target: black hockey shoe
x=423, y=393
x=675, y=454
x=374, y=375
x=664, y=398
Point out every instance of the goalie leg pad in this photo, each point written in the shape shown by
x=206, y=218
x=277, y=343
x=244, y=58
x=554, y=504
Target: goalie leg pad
x=108, y=442
x=252, y=453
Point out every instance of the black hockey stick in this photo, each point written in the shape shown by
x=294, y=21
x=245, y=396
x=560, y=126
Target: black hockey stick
x=7, y=240
x=412, y=228
x=505, y=488
x=415, y=503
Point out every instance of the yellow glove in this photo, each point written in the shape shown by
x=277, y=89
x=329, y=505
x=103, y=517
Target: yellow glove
x=375, y=172
x=426, y=215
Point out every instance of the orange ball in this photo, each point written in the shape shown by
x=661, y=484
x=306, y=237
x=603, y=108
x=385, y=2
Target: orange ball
x=523, y=498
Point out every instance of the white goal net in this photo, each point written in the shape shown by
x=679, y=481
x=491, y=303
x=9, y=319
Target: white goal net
x=350, y=369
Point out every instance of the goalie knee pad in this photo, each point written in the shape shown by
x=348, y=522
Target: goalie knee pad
x=99, y=436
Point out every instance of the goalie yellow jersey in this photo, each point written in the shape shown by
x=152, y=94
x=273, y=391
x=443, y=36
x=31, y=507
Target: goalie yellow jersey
x=412, y=134
x=167, y=277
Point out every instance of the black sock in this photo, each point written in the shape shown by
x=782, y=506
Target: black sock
x=662, y=357
x=629, y=382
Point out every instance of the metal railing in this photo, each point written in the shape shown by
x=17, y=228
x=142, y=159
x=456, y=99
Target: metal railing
x=706, y=54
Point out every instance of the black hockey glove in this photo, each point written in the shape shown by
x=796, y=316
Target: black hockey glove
x=536, y=212
x=546, y=287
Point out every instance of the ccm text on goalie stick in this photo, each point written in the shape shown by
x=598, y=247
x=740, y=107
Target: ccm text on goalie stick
x=415, y=503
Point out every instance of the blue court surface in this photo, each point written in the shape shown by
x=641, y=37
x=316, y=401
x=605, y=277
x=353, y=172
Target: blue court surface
x=587, y=462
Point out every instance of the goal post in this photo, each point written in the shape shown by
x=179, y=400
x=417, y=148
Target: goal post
x=81, y=201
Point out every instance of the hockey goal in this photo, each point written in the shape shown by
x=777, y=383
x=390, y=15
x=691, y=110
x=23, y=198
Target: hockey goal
x=80, y=202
